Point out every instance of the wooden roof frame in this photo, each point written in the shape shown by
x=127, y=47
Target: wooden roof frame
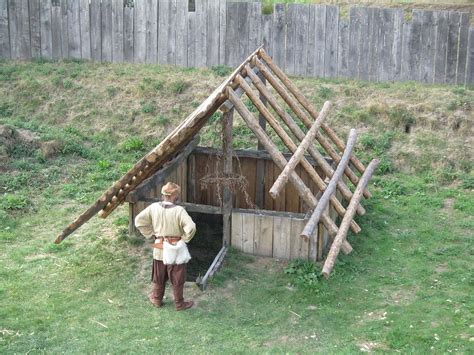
x=251, y=78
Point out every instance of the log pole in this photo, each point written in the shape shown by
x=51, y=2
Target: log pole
x=280, y=161
x=313, y=221
x=227, y=123
x=298, y=155
x=344, y=227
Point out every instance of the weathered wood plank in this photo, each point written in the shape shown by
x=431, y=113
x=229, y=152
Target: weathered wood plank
x=201, y=33
x=243, y=30
x=232, y=35
x=96, y=31
x=330, y=53
x=311, y=40
x=375, y=25
x=462, y=52
x=385, y=42
x=106, y=20
x=212, y=42
x=266, y=33
x=74, y=29
x=255, y=22
x=281, y=235
x=343, y=50
x=441, y=19
x=181, y=46
x=139, y=32
x=298, y=246
x=222, y=31
x=5, y=52
x=248, y=230
x=171, y=40
x=301, y=43
x=237, y=231
x=64, y=30
x=35, y=28
x=428, y=44
x=45, y=29
x=355, y=28
x=191, y=45
x=151, y=29
x=263, y=237
x=117, y=31
x=364, y=42
x=85, y=29
x=279, y=35
x=454, y=19
x=291, y=22
x=470, y=58
x=128, y=25
x=19, y=29
x=268, y=182
x=320, y=40
x=396, y=63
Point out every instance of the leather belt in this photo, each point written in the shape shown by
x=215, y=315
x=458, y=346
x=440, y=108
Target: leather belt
x=170, y=239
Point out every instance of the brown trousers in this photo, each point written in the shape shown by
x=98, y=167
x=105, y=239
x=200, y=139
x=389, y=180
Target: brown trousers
x=175, y=273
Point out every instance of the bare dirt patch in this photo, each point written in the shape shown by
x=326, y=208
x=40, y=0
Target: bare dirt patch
x=370, y=346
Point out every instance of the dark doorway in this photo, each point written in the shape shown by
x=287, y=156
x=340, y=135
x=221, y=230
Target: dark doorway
x=205, y=245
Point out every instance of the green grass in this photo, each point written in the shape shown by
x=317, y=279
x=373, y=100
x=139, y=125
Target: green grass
x=406, y=287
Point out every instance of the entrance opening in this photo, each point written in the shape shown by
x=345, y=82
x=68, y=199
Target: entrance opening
x=205, y=245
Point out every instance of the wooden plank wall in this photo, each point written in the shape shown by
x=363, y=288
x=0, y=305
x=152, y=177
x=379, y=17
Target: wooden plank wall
x=288, y=200
x=375, y=44
x=269, y=235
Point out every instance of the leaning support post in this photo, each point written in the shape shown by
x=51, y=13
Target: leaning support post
x=280, y=161
x=344, y=227
x=227, y=122
x=310, y=227
x=298, y=155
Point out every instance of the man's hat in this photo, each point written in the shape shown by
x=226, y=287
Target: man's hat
x=170, y=189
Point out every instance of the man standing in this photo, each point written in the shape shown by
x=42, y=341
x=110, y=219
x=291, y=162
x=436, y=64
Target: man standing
x=167, y=223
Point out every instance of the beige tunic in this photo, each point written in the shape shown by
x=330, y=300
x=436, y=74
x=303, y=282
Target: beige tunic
x=168, y=222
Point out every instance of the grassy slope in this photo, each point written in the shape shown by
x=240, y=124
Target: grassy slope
x=406, y=287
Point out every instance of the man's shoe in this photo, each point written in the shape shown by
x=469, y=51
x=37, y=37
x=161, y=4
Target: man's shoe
x=184, y=305
x=156, y=302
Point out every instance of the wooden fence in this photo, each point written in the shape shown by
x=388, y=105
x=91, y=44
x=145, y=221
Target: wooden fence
x=376, y=44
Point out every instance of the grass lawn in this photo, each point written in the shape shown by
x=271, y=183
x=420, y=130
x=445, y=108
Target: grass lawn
x=406, y=287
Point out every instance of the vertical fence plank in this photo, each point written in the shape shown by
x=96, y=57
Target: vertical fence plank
x=35, y=28
x=222, y=30
x=64, y=30
x=243, y=29
x=46, y=40
x=181, y=33
x=301, y=43
x=85, y=29
x=279, y=35
x=56, y=31
x=191, y=34
x=386, y=35
x=163, y=24
x=298, y=247
x=19, y=29
x=441, y=20
x=232, y=35
x=248, y=229
x=311, y=40
x=263, y=235
x=171, y=41
x=330, y=53
x=4, y=31
x=96, y=32
x=106, y=24
x=411, y=53
x=291, y=21
x=470, y=58
x=454, y=19
x=355, y=16
x=462, y=52
x=320, y=40
x=139, y=32
x=343, y=50
x=201, y=32
x=266, y=37
x=73, y=29
x=255, y=21
x=151, y=28
x=128, y=33
x=212, y=43
x=397, y=44
x=236, y=231
x=364, y=42
x=374, y=29
x=117, y=31
x=427, y=44
x=281, y=235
